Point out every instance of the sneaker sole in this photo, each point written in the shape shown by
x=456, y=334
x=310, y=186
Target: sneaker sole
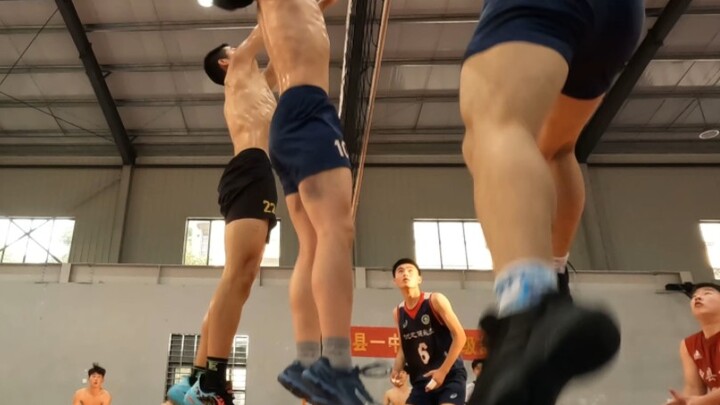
x=590, y=340
x=323, y=395
x=297, y=391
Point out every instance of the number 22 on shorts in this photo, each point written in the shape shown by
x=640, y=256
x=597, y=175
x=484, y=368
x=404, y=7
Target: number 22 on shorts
x=269, y=207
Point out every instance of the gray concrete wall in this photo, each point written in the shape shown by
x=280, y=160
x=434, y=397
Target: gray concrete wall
x=637, y=218
x=122, y=317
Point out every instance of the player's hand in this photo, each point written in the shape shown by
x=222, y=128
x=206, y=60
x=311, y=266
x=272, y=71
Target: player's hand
x=397, y=377
x=680, y=399
x=437, y=378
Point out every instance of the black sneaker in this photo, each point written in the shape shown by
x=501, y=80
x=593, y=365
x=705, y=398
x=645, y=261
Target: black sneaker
x=291, y=379
x=563, y=282
x=533, y=354
x=335, y=387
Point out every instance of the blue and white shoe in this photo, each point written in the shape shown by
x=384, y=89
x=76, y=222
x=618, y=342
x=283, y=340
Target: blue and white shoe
x=196, y=396
x=336, y=387
x=176, y=393
x=291, y=379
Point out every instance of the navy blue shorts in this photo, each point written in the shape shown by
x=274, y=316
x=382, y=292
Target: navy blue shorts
x=451, y=392
x=596, y=37
x=305, y=136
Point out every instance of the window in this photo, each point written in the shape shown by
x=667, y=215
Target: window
x=181, y=355
x=447, y=244
x=205, y=243
x=711, y=235
x=35, y=240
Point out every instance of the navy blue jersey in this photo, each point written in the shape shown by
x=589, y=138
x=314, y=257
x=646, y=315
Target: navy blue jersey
x=425, y=339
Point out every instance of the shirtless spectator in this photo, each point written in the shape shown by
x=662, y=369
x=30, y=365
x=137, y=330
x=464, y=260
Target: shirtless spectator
x=94, y=393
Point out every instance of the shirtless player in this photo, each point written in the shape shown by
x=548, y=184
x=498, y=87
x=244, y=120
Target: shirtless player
x=94, y=393
x=247, y=199
x=400, y=391
x=310, y=158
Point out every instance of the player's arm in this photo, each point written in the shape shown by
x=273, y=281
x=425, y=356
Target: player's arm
x=442, y=307
x=399, y=364
x=712, y=398
x=693, y=383
x=250, y=46
x=109, y=398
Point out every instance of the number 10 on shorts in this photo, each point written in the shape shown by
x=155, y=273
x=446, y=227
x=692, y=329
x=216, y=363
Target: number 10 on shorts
x=340, y=145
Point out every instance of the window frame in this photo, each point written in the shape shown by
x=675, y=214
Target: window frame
x=50, y=258
x=177, y=369
x=462, y=222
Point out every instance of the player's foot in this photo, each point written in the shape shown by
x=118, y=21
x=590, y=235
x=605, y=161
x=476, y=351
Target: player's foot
x=176, y=393
x=533, y=354
x=336, y=387
x=291, y=379
x=197, y=396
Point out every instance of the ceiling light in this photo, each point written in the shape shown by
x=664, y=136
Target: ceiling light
x=709, y=134
x=206, y=3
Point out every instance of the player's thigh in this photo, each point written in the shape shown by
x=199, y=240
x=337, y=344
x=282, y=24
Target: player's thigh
x=418, y=396
x=514, y=83
x=564, y=124
x=452, y=392
x=327, y=198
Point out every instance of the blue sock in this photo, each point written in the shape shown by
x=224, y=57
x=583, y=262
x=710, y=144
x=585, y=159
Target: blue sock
x=521, y=286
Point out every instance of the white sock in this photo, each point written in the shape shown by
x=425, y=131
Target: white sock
x=523, y=285
x=559, y=263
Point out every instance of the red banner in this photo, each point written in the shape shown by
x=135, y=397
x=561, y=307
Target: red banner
x=382, y=342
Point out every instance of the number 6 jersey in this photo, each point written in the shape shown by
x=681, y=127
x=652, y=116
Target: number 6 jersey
x=425, y=339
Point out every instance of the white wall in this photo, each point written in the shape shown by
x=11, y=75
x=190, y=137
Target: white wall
x=122, y=317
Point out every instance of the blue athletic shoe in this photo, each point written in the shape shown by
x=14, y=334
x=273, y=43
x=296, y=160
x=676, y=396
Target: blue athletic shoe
x=335, y=387
x=196, y=396
x=291, y=379
x=176, y=393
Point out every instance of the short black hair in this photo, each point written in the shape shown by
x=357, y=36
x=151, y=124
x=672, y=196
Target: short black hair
x=404, y=260
x=705, y=285
x=476, y=362
x=96, y=369
x=212, y=68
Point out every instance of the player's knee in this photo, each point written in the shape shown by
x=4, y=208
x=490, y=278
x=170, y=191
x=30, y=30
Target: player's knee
x=242, y=271
x=482, y=140
x=243, y=284
x=307, y=241
x=339, y=230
